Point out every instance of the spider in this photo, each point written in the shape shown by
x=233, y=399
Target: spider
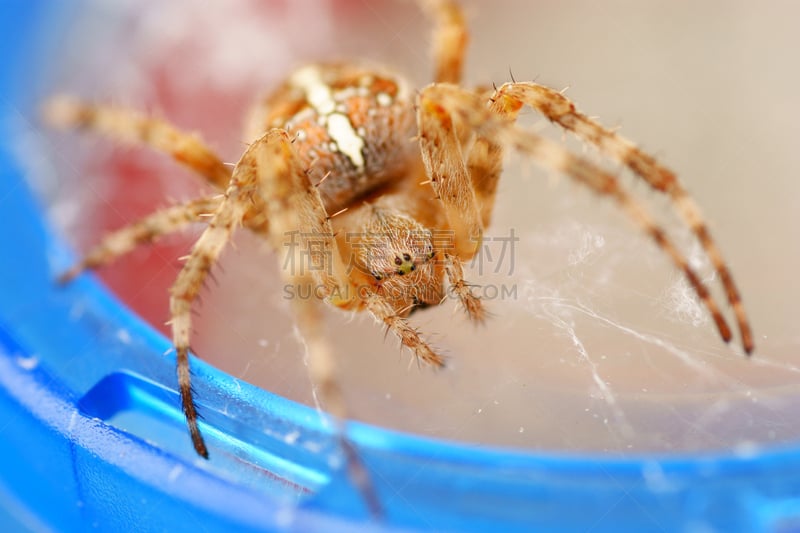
x=380, y=194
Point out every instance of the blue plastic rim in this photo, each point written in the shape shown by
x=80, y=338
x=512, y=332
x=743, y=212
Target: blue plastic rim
x=93, y=437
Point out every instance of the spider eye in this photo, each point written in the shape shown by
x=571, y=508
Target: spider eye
x=377, y=276
x=405, y=264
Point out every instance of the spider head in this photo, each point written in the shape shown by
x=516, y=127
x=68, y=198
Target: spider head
x=398, y=255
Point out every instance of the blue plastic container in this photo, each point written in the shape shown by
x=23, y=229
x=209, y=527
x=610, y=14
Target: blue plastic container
x=93, y=437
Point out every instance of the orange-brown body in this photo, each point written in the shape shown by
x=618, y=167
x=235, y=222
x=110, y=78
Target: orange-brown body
x=354, y=129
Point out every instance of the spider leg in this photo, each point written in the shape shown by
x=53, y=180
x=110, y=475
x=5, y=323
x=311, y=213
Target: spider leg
x=146, y=230
x=510, y=97
x=444, y=164
x=485, y=165
x=383, y=312
x=294, y=204
x=471, y=303
x=204, y=254
x=450, y=38
x=450, y=100
x=133, y=127
x=453, y=185
x=322, y=370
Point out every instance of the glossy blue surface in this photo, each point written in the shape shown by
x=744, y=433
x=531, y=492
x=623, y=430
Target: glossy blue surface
x=92, y=437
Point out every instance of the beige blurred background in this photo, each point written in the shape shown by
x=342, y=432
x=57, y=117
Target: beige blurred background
x=598, y=344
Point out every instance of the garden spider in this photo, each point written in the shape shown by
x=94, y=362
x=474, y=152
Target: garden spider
x=374, y=221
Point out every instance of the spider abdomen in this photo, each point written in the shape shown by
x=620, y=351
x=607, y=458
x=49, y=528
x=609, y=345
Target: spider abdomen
x=352, y=127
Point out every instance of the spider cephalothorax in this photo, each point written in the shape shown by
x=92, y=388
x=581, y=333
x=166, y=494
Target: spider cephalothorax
x=380, y=195
x=397, y=252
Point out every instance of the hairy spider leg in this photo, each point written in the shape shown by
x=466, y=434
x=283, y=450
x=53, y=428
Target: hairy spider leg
x=130, y=126
x=451, y=182
x=455, y=276
x=293, y=203
x=450, y=38
x=448, y=101
x=206, y=251
x=144, y=231
x=510, y=97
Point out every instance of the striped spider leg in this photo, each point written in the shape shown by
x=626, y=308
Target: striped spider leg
x=509, y=99
x=128, y=126
x=447, y=112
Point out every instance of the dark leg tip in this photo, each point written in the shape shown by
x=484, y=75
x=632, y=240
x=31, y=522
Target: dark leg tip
x=200, y=446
